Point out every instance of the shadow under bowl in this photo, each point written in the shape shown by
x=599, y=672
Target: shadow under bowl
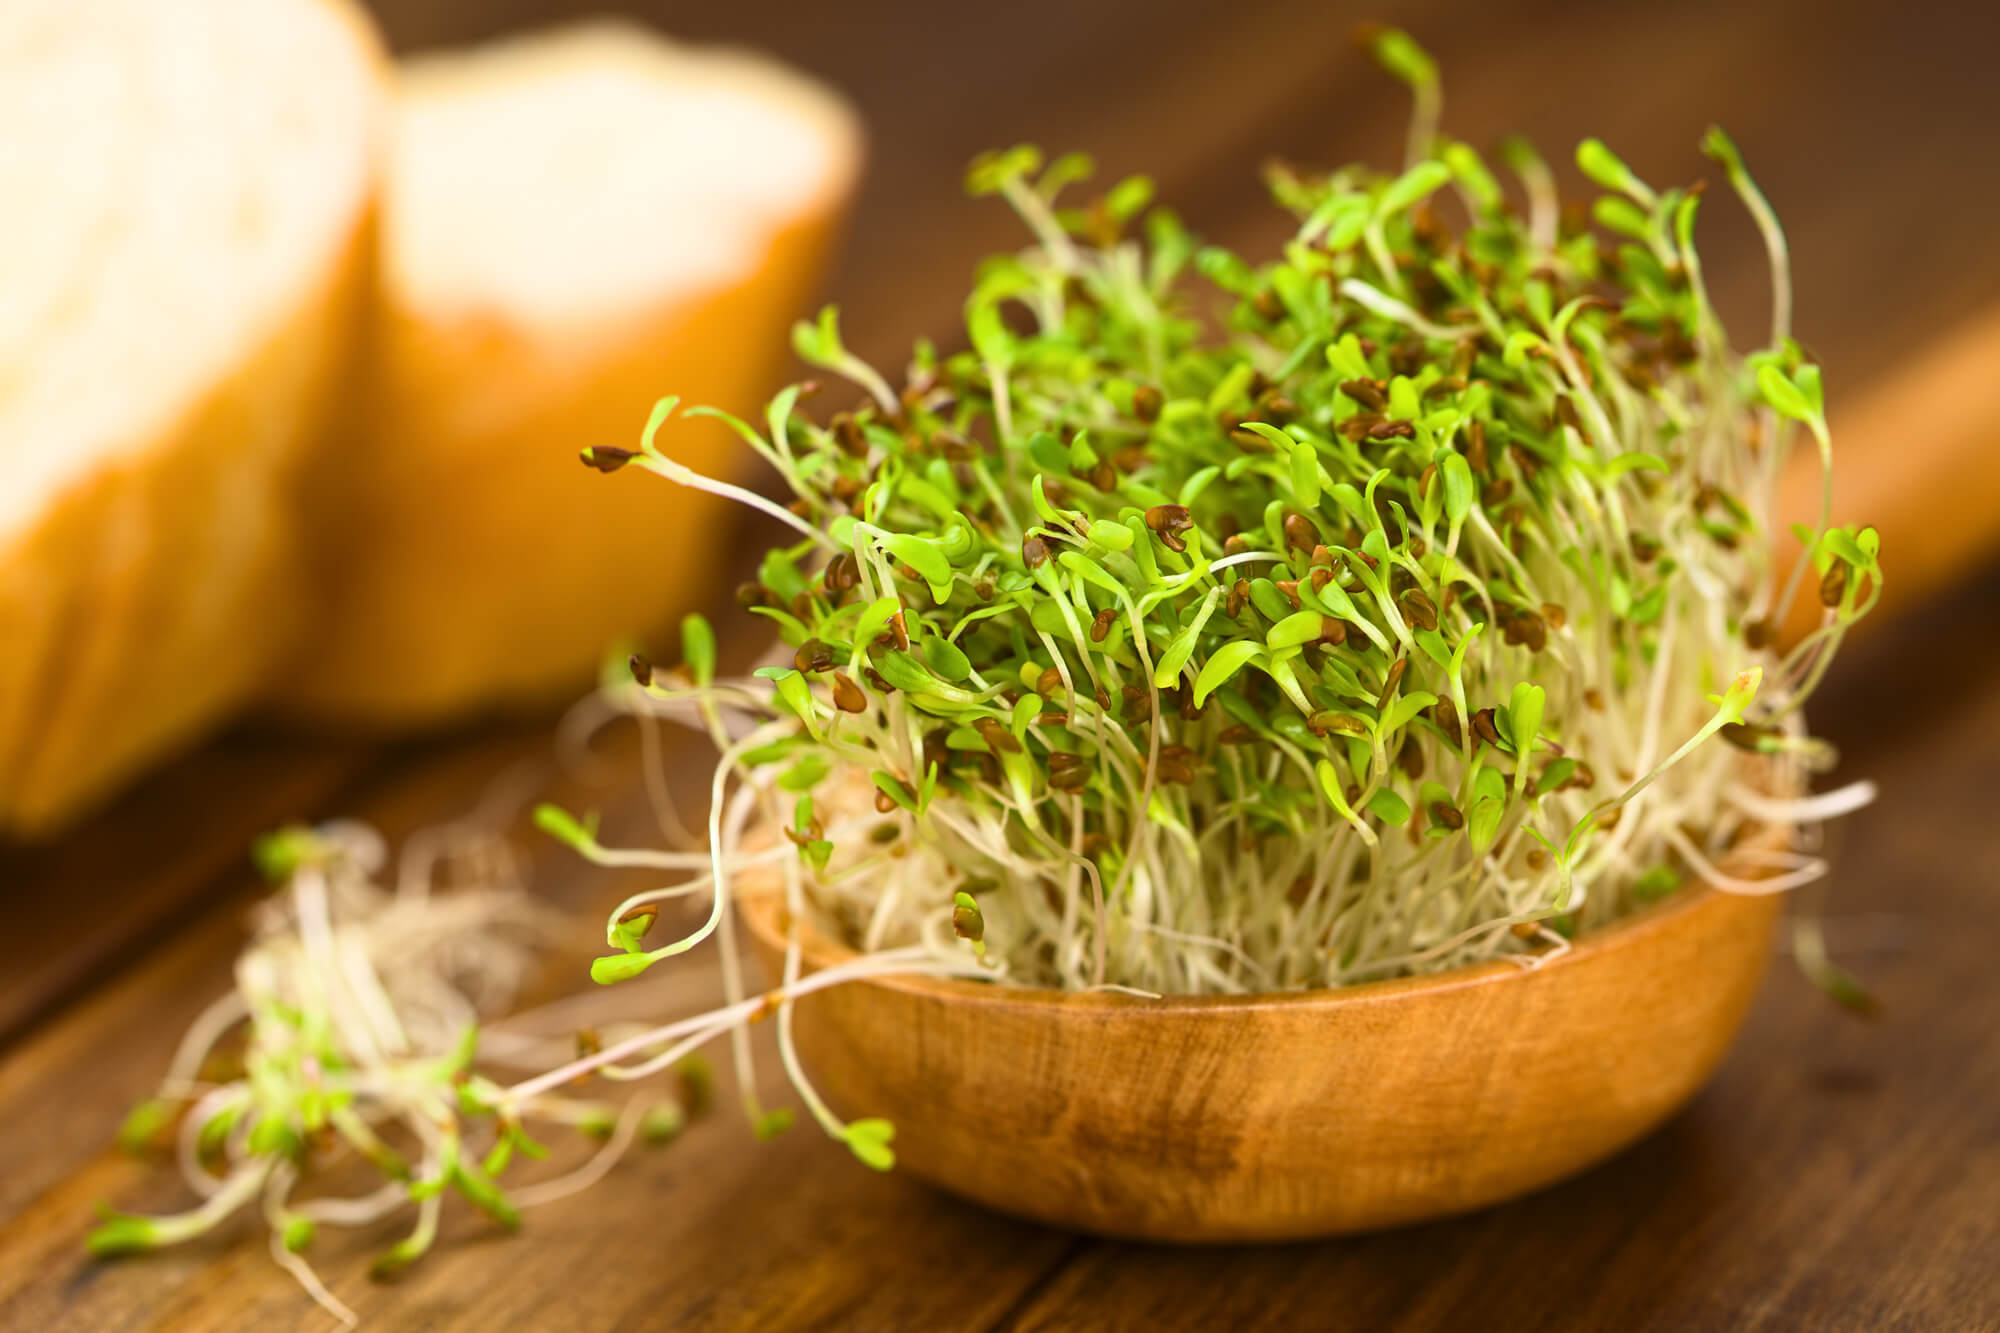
x=1202, y=1119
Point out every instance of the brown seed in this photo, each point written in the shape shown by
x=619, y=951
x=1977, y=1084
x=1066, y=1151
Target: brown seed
x=847, y=434
x=606, y=459
x=812, y=656
x=1834, y=585
x=994, y=732
x=1268, y=307
x=1445, y=815
x=1554, y=615
x=1483, y=726
x=1236, y=734
x=884, y=803
x=1365, y=392
x=1593, y=699
x=1525, y=930
x=1034, y=551
x=1537, y=858
x=899, y=633
x=1475, y=446
x=1147, y=402
x=1050, y=683
x=1239, y=594
x=842, y=573
x=1068, y=772
x=1276, y=408
x=1100, y=624
x=1757, y=634
x=1055, y=718
x=1419, y=610
x=750, y=595
x=1300, y=534
x=1526, y=628
x=642, y=670
x=1445, y=714
x=1290, y=588
x=1104, y=476
x=937, y=753
x=1566, y=413
x=1410, y=758
x=1391, y=681
x=1169, y=520
x=1495, y=492
x=847, y=696
x=1332, y=631
x=1644, y=549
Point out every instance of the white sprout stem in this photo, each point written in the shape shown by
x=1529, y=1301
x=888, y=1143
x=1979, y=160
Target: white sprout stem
x=687, y=476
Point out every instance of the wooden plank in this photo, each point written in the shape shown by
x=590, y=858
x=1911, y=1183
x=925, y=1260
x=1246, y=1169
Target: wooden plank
x=747, y=1225
x=75, y=908
x=1836, y=1174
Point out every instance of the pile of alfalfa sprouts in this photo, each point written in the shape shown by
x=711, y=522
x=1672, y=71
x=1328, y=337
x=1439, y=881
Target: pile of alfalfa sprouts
x=1400, y=602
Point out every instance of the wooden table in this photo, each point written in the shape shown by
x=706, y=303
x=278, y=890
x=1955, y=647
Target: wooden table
x=1838, y=1174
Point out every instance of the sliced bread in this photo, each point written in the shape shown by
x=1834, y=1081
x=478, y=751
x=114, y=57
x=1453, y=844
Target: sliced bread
x=189, y=186
x=575, y=223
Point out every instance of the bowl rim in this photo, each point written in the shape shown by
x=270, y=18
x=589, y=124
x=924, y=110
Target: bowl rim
x=761, y=906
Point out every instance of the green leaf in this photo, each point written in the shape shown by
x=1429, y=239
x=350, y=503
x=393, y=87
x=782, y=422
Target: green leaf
x=564, y=827
x=698, y=649
x=893, y=788
x=869, y=1141
x=1783, y=395
x=772, y=1123
x=1389, y=807
x=145, y=1123
x=122, y=1233
x=1459, y=489
x=1222, y=664
x=925, y=558
x=1175, y=657
x=1403, y=709
x=613, y=968
x=1412, y=186
x=278, y=855
x=1484, y=822
x=1305, y=475
x=1300, y=627
x=944, y=657
x=1557, y=773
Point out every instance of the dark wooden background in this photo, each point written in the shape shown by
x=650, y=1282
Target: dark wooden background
x=1837, y=1175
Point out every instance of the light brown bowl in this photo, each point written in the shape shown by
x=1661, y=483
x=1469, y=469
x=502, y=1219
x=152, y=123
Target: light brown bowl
x=1208, y=1119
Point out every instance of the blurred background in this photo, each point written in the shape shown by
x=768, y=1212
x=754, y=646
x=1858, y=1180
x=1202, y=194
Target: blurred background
x=1834, y=1173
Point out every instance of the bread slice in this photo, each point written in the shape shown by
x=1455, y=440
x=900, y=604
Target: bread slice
x=188, y=189
x=575, y=223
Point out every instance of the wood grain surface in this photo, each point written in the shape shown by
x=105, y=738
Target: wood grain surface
x=1836, y=1174
x=1209, y=1119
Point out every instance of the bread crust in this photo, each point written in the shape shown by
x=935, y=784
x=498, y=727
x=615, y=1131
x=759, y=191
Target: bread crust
x=468, y=563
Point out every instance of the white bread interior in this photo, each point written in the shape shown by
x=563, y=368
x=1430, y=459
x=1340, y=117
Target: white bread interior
x=574, y=223
x=187, y=190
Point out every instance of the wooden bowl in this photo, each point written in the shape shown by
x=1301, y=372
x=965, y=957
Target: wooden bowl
x=1275, y=1117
